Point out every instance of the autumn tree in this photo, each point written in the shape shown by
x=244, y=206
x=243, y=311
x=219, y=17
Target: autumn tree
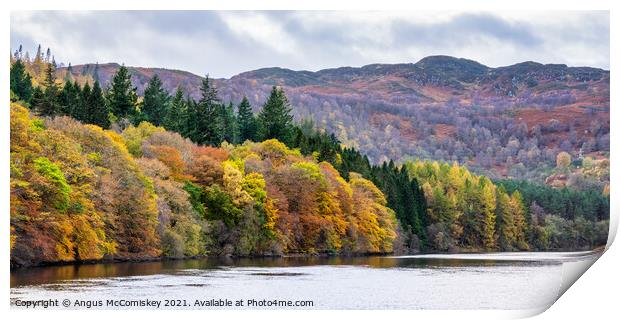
x=179, y=227
x=506, y=229
x=487, y=211
x=520, y=221
x=563, y=160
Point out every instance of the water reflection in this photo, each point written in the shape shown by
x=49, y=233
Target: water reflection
x=54, y=274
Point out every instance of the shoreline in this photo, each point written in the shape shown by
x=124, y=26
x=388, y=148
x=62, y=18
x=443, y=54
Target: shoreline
x=599, y=249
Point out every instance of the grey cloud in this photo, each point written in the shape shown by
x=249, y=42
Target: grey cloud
x=462, y=30
x=201, y=41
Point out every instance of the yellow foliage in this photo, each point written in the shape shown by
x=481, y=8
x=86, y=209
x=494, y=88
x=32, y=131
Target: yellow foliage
x=12, y=238
x=233, y=184
x=134, y=136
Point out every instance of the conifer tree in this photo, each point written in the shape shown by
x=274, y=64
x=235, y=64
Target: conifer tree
x=246, y=121
x=69, y=74
x=275, y=119
x=155, y=102
x=122, y=96
x=190, y=126
x=228, y=123
x=48, y=104
x=96, y=72
x=206, y=116
x=37, y=64
x=20, y=82
x=176, y=113
x=69, y=98
x=98, y=108
x=37, y=97
x=82, y=112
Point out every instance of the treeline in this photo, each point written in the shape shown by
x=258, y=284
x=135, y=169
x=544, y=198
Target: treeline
x=79, y=192
x=445, y=207
x=563, y=218
x=208, y=121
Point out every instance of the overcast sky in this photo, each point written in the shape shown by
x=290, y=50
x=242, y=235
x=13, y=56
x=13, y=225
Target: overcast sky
x=225, y=43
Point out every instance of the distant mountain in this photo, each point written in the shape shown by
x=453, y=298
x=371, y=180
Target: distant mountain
x=498, y=120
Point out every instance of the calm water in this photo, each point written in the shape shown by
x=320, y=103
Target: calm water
x=464, y=281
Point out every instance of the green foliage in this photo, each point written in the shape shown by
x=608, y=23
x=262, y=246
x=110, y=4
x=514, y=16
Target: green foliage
x=155, y=103
x=275, y=120
x=97, y=108
x=205, y=123
x=59, y=185
x=567, y=203
x=46, y=102
x=21, y=84
x=69, y=98
x=122, y=96
x=195, y=197
x=246, y=121
x=176, y=114
x=230, y=130
x=135, y=136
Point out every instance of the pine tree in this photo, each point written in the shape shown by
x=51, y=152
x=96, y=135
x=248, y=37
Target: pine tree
x=82, y=113
x=20, y=82
x=98, y=108
x=75, y=107
x=96, y=73
x=228, y=122
x=190, y=125
x=275, y=119
x=37, y=64
x=69, y=74
x=48, y=105
x=155, y=102
x=122, y=96
x=207, y=127
x=69, y=98
x=420, y=208
x=246, y=121
x=176, y=113
x=37, y=97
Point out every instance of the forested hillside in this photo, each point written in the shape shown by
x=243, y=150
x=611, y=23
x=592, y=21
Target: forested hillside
x=502, y=122
x=106, y=171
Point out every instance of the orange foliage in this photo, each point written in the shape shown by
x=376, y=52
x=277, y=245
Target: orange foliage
x=217, y=154
x=171, y=157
